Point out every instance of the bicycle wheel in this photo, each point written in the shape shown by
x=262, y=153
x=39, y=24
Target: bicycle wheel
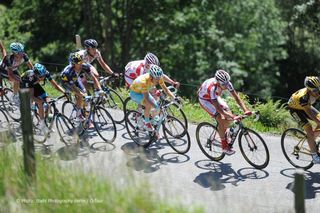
x=69, y=110
x=104, y=124
x=253, y=148
x=67, y=131
x=115, y=104
x=6, y=132
x=140, y=137
x=39, y=135
x=9, y=106
x=172, y=128
x=295, y=148
x=174, y=111
x=209, y=141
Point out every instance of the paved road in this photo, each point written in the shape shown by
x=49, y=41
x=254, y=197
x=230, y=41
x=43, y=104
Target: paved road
x=228, y=186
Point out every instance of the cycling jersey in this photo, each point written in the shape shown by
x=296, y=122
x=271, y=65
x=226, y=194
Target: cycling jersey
x=133, y=70
x=9, y=61
x=70, y=76
x=144, y=84
x=29, y=78
x=209, y=89
x=301, y=99
x=87, y=57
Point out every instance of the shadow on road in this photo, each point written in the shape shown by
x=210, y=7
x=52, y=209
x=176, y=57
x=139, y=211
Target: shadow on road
x=148, y=160
x=220, y=174
x=312, y=182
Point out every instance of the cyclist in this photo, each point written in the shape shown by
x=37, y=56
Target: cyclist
x=140, y=93
x=9, y=67
x=89, y=55
x=31, y=79
x=209, y=96
x=71, y=81
x=301, y=109
x=136, y=68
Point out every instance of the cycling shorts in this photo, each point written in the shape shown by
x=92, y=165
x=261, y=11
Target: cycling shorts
x=209, y=107
x=138, y=98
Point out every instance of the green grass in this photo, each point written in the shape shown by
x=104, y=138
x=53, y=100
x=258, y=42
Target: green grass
x=58, y=189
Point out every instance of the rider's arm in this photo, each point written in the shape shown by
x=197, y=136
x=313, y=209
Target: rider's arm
x=166, y=90
x=30, y=65
x=104, y=65
x=312, y=113
x=239, y=101
x=57, y=86
x=170, y=81
x=3, y=50
x=221, y=111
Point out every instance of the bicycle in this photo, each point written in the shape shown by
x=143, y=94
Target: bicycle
x=296, y=149
x=113, y=100
x=251, y=143
x=65, y=127
x=12, y=109
x=5, y=127
x=174, y=110
x=171, y=126
x=99, y=116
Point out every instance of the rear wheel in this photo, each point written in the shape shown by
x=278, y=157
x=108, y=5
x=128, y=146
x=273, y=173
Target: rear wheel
x=138, y=135
x=10, y=106
x=69, y=110
x=209, y=141
x=295, y=148
x=253, y=148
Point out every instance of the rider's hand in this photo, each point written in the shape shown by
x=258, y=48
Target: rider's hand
x=99, y=93
x=114, y=74
x=248, y=113
x=237, y=118
x=176, y=84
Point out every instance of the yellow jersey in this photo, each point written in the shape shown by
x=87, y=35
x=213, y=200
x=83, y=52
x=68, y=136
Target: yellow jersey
x=301, y=99
x=144, y=84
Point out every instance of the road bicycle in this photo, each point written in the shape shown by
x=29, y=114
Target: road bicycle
x=65, y=127
x=5, y=127
x=252, y=146
x=7, y=103
x=174, y=130
x=97, y=115
x=174, y=109
x=295, y=148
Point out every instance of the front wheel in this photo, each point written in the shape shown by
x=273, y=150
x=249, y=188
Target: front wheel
x=67, y=131
x=209, y=141
x=253, y=148
x=104, y=124
x=172, y=129
x=12, y=108
x=295, y=148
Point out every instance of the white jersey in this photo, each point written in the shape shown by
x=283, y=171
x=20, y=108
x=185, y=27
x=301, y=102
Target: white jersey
x=209, y=89
x=87, y=58
x=134, y=69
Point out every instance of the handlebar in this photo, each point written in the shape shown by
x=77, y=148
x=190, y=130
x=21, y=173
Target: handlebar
x=256, y=113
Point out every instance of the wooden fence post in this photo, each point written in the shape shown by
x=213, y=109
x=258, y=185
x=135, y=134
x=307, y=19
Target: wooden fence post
x=299, y=191
x=27, y=133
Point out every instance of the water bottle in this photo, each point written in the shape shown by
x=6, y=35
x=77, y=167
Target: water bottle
x=50, y=117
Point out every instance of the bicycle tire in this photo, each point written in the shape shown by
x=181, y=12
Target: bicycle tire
x=204, y=131
x=102, y=124
x=69, y=110
x=5, y=128
x=292, y=152
x=136, y=134
x=182, y=117
x=255, y=149
x=179, y=144
x=66, y=130
x=12, y=109
x=38, y=135
x=116, y=105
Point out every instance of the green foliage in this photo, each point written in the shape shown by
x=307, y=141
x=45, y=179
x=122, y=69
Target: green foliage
x=80, y=191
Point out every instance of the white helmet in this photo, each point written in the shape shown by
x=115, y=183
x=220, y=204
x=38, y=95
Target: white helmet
x=222, y=76
x=151, y=58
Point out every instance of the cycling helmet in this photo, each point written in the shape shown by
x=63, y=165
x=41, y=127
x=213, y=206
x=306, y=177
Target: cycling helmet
x=151, y=58
x=155, y=71
x=16, y=47
x=39, y=70
x=90, y=43
x=222, y=76
x=312, y=83
x=75, y=58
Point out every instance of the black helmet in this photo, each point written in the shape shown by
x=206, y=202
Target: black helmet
x=91, y=43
